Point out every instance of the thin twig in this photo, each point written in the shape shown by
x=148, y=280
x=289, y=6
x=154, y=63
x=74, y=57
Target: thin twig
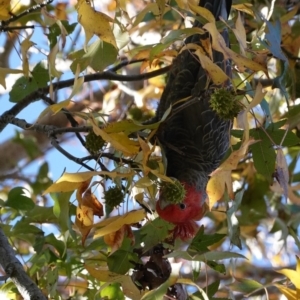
x=77, y=160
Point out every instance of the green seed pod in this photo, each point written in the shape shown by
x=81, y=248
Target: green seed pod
x=225, y=103
x=173, y=192
x=113, y=196
x=136, y=113
x=94, y=142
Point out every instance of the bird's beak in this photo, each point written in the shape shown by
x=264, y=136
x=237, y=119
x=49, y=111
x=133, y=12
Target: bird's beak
x=163, y=203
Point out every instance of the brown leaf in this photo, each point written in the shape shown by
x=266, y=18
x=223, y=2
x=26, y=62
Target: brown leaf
x=60, y=11
x=91, y=201
x=115, y=239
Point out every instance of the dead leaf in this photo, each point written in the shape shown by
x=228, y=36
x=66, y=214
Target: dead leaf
x=91, y=201
x=115, y=239
x=84, y=221
x=60, y=11
x=25, y=45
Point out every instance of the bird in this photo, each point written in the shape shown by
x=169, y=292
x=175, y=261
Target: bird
x=194, y=138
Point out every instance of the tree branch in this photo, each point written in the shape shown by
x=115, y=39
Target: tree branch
x=14, y=269
x=40, y=93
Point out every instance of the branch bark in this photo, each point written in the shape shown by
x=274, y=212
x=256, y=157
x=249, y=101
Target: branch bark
x=14, y=269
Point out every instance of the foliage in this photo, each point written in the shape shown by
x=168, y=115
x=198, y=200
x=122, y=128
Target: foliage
x=94, y=233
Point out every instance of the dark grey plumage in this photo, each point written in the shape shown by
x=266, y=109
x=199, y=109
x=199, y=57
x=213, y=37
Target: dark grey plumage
x=194, y=138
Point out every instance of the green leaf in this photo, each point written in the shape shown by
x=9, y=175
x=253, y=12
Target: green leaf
x=57, y=244
x=41, y=214
x=55, y=32
x=232, y=221
x=61, y=209
x=210, y=290
x=42, y=181
x=16, y=199
x=263, y=154
x=246, y=285
x=40, y=74
x=23, y=227
x=22, y=88
x=220, y=268
x=112, y=291
x=154, y=232
x=119, y=261
x=29, y=144
x=290, y=138
x=99, y=55
x=158, y=294
x=213, y=255
x=217, y=255
x=25, y=86
x=202, y=241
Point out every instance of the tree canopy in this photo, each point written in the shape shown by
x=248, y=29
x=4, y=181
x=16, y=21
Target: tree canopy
x=78, y=81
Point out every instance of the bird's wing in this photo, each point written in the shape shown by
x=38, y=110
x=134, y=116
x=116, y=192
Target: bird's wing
x=194, y=138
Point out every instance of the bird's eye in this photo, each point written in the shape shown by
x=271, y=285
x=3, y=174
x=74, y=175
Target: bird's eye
x=182, y=206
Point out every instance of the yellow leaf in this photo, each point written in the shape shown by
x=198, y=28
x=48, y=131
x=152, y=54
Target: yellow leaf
x=77, y=177
x=128, y=287
x=4, y=10
x=51, y=62
x=240, y=33
x=5, y=71
x=53, y=109
x=85, y=215
x=258, y=97
x=25, y=45
x=115, y=223
x=221, y=177
x=203, y=12
x=69, y=182
x=289, y=293
x=61, y=187
x=245, y=7
x=216, y=74
x=94, y=22
x=219, y=44
x=298, y=264
x=78, y=82
x=293, y=276
x=216, y=187
x=119, y=141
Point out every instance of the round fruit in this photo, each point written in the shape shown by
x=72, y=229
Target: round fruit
x=225, y=104
x=172, y=192
x=113, y=196
x=94, y=142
